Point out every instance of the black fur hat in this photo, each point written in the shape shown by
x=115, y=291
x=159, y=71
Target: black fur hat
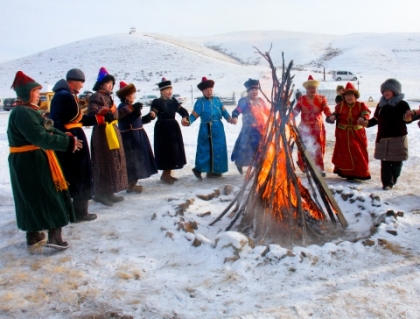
x=251, y=84
x=164, y=84
x=392, y=85
x=205, y=84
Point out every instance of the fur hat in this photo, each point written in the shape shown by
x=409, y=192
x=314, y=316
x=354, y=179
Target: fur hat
x=252, y=84
x=205, y=84
x=392, y=85
x=23, y=86
x=349, y=89
x=125, y=90
x=338, y=88
x=103, y=77
x=164, y=84
x=75, y=75
x=310, y=82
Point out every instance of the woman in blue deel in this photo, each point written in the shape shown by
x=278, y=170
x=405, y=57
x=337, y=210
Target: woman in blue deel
x=211, y=156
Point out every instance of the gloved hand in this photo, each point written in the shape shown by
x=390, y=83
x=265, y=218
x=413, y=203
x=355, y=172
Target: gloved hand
x=109, y=117
x=137, y=106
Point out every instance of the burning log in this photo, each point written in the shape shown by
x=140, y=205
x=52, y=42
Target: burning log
x=274, y=205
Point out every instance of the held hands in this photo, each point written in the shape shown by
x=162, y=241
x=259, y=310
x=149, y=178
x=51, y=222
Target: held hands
x=109, y=117
x=234, y=120
x=152, y=114
x=361, y=121
x=137, y=106
x=409, y=114
x=185, y=121
x=331, y=119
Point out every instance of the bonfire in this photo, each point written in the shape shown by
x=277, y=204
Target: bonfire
x=273, y=205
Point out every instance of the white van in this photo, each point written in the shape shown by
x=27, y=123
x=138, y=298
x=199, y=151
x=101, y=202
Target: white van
x=344, y=76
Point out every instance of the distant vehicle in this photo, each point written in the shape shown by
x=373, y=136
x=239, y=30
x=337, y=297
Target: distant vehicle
x=9, y=103
x=180, y=98
x=344, y=76
x=146, y=100
x=45, y=102
x=1, y=101
x=85, y=95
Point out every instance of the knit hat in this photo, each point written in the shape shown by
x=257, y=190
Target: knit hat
x=125, y=90
x=251, y=84
x=205, y=84
x=164, y=84
x=349, y=89
x=24, y=86
x=103, y=77
x=392, y=85
x=310, y=82
x=75, y=75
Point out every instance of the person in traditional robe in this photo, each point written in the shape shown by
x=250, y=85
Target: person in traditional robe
x=255, y=114
x=40, y=191
x=139, y=157
x=168, y=141
x=69, y=117
x=350, y=156
x=339, y=97
x=311, y=126
x=211, y=155
x=108, y=157
x=392, y=114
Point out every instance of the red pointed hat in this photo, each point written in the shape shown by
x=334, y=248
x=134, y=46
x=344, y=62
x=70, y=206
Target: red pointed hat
x=205, y=84
x=24, y=85
x=164, y=84
x=125, y=90
x=122, y=84
x=310, y=82
x=350, y=89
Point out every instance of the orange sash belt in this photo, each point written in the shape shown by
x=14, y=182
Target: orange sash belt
x=56, y=172
x=69, y=126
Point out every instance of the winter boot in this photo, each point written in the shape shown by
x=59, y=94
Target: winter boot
x=115, y=199
x=34, y=239
x=213, y=175
x=240, y=169
x=132, y=187
x=81, y=209
x=197, y=174
x=166, y=177
x=102, y=199
x=54, y=239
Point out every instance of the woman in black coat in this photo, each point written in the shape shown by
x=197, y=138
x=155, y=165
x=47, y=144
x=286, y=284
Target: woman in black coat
x=169, y=144
x=138, y=152
x=391, y=140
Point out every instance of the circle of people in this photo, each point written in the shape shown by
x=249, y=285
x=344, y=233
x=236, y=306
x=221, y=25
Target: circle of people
x=53, y=174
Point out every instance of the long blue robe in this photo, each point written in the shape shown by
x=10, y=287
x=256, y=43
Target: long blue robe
x=211, y=155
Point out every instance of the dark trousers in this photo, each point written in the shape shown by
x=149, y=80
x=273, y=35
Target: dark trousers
x=390, y=171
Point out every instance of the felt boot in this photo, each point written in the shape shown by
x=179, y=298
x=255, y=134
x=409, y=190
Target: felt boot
x=54, y=239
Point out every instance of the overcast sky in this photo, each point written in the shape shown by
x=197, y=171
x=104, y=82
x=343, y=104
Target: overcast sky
x=31, y=26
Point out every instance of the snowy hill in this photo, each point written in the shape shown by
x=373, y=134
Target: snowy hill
x=142, y=59
x=373, y=57
x=145, y=58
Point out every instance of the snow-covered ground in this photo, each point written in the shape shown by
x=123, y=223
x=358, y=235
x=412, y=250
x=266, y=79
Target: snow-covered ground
x=136, y=261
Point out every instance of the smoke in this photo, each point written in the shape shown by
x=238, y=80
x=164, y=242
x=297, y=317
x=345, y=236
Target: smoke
x=311, y=144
